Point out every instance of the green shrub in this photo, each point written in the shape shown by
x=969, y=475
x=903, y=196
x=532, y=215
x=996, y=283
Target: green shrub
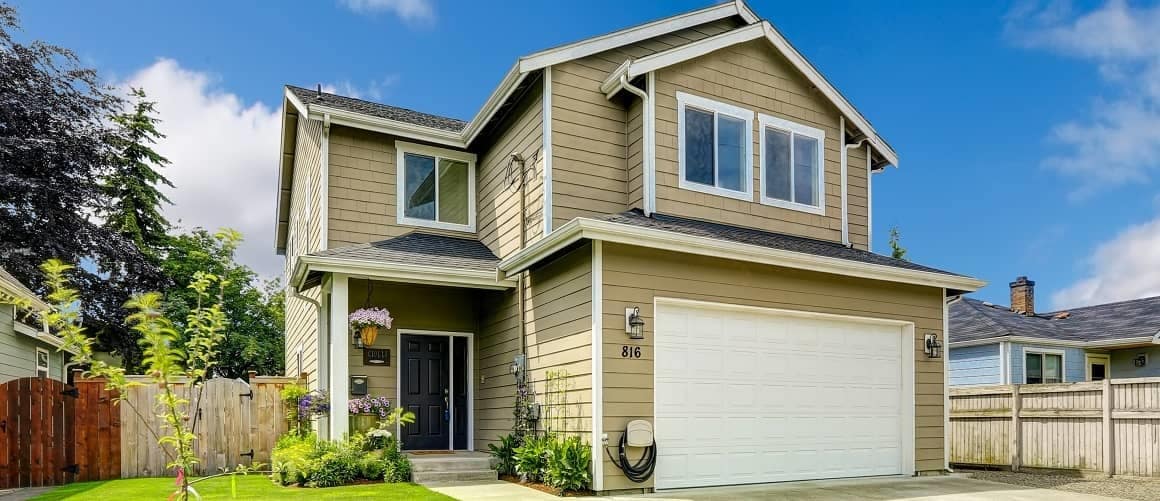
x=569, y=464
x=371, y=466
x=293, y=458
x=335, y=469
x=396, y=466
x=505, y=454
x=532, y=457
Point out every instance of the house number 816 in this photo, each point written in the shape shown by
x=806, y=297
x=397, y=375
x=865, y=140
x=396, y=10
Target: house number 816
x=629, y=352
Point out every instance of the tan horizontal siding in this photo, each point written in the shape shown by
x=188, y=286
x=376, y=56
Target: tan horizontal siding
x=304, y=237
x=754, y=76
x=635, y=276
x=498, y=200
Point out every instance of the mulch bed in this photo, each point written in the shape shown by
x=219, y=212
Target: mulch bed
x=546, y=488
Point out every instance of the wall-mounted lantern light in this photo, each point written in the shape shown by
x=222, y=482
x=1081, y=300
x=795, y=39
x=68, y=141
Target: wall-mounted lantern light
x=932, y=346
x=358, y=340
x=633, y=324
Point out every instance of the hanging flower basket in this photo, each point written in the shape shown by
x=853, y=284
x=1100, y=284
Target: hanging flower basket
x=367, y=322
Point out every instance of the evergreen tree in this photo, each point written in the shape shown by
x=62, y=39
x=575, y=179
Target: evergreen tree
x=897, y=251
x=134, y=200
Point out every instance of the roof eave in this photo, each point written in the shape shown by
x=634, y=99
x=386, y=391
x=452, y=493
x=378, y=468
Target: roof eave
x=607, y=231
x=348, y=118
x=398, y=272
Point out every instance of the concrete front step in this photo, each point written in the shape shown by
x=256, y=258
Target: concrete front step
x=450, y=463
x=430, y=477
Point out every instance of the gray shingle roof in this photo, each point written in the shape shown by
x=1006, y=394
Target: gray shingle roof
x=971, y=319
x=762, y=238
x=309, y=97
x=422, y=249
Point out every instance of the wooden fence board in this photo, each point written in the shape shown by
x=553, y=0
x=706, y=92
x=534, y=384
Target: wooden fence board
x=1110, y=426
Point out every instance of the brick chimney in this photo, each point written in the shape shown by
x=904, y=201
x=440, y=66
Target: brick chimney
x=1023, y=296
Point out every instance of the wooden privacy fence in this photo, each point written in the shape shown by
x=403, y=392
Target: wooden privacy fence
x=239, y=423
x=1111, y=426
x=52, y=433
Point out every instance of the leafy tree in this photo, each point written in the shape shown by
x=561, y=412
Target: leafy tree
x=254, y=313
x=134, y=200
x=897, y=251
x=54, y=148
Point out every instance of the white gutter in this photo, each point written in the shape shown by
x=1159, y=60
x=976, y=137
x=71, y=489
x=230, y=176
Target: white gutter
x=433, y=275
x=1057, y=342
x=591, y=229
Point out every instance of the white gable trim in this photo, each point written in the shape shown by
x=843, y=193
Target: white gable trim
x=634, y=68
x=635, y=34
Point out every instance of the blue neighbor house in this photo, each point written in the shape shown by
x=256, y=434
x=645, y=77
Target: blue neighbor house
x=993, y=344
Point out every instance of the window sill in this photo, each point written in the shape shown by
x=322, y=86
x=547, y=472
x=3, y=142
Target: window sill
x=713, y=190
x=774, y=202
x=424, y=223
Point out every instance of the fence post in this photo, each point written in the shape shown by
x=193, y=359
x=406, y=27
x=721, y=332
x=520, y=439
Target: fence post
x=1109, y=431
x=1016, y=405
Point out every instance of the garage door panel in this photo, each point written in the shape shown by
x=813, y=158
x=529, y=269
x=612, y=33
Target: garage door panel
x=751, y=396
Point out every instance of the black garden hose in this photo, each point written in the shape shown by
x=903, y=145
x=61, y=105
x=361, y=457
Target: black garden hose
x=643, y=468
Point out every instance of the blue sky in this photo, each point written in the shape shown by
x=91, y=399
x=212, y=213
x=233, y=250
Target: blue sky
x=1011, y=162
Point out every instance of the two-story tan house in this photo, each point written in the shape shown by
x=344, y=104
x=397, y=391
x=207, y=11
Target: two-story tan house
x=677, y=215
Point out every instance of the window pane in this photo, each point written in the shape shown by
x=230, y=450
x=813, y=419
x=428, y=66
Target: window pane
x=1052, y=369
x=698, y=146
x=777, y=182
x=452, y=191
x=1034, y=368
x=805, y=170
x=1098, y=372
x=730, y=153
x=419, y=187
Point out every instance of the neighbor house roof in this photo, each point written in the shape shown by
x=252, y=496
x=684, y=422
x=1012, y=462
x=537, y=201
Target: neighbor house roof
x=13, y=286
x=1135, y=321
x=417, y=256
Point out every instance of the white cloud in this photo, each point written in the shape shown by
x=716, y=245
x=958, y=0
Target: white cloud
x=408, y=10
x=1127, y=267
x=224, y=155
x=1119, y=141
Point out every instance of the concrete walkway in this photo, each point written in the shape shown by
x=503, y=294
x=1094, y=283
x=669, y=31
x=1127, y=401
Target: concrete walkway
x=23, y=494
x=927, y=488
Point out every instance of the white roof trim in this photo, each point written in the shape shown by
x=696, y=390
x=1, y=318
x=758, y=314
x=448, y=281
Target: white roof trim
x=295, y=102
x=584, y=228
x=17, y=289
x=634, y=68
x=1103, y=343
x=595, y=45
x=378, y=124
x=397, y=272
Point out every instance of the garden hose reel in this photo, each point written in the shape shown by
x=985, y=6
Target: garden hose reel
x=638, y=434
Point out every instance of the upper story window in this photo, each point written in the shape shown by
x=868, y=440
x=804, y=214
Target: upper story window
x=715, y=147
x=792, y=165
x=435, y=187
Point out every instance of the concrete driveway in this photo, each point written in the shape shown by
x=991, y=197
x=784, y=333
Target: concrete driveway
x=925, y=488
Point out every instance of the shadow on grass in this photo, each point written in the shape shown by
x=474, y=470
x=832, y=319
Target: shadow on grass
x=69, y=490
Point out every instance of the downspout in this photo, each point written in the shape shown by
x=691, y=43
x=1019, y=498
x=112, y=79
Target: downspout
x=646, y=166
x=845, y=161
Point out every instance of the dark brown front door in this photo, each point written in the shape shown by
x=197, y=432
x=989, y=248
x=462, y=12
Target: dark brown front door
x=426, y=391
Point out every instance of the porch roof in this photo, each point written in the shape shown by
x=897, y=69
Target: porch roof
x=416, y=257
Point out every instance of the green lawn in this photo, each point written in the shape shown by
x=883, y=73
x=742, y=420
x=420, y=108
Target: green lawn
x=248, y=487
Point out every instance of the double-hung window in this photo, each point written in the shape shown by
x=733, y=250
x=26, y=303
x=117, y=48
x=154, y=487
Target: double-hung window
x=41, y=362
x=792, y=165
x=715, y=147
x=435, y=187
x=1042, y=367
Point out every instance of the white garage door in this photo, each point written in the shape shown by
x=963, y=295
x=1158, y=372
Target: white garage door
x=748, y=395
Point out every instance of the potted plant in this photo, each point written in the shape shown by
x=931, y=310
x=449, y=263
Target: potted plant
x=367, y=322
x=365, y=412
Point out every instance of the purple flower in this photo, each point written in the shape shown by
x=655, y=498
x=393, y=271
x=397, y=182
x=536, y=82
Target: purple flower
x=366, y=317
x=370, y=405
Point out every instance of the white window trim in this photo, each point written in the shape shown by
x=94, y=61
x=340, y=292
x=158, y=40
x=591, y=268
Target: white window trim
x=772, y=122
x=1104, y=359
x=684, y=100
x=1046, y=351
x=402, y=148
x=47, y=359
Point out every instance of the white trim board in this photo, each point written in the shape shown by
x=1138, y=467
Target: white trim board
x=597, y=343
x=450, y=335
x=1108, y=344
x=398, y=272
x=546, y=216
x=584, y=228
